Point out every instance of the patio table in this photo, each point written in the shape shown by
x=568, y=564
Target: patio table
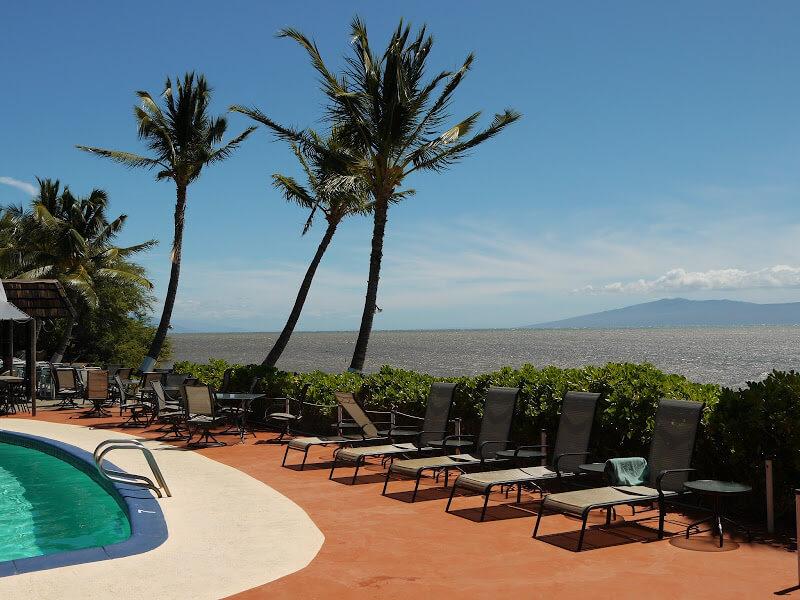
x=243, y=401
x=717, y=490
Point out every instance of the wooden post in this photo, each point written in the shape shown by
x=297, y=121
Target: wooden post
x=8, y=356
x=30, y=364
x=770, y=500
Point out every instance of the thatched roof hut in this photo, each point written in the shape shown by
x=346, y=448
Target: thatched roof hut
x=39, y=298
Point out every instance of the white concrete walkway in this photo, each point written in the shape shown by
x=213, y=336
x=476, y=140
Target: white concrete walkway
x=227, y=532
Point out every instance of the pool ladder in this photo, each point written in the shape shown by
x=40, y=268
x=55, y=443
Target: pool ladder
x=103, y=448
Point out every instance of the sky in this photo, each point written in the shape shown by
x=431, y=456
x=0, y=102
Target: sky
x=658, y=155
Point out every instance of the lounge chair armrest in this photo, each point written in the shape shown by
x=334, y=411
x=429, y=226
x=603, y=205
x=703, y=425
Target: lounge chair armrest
x=489, y=442
x=558, y=458
x=397, y=413
x=378, y=412
x=666, y=472
x=422, y=432
x=533, y=447
x=455, y=437
x=414, y=427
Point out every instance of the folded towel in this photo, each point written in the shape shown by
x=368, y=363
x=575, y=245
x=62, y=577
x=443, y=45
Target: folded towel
x=626, y=471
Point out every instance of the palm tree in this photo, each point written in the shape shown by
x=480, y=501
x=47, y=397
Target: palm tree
x=387, y=110
x=69, y=239
x=183, y=139
x=334, y=204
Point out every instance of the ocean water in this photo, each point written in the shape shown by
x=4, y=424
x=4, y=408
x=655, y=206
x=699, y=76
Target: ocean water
x=727, y=355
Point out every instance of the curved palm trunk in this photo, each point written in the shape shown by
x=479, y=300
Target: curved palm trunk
x=302, y=294
x=379, y=227
x=61, y=348
x=172, y=288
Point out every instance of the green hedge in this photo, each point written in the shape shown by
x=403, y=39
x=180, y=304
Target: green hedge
x=740, y=427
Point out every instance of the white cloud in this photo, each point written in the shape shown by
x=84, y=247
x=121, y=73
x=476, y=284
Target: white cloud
x=681, y=280
x=22, y=185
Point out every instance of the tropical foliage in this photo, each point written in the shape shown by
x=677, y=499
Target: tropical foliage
x=392, y=118
x=69, y=238
x=183, y=139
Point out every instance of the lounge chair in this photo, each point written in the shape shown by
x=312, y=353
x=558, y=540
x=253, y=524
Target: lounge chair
x=367, y=430
x=570, y=450
x=202, y=415
x=671, y=450
x=498, y=412
x=430, y=438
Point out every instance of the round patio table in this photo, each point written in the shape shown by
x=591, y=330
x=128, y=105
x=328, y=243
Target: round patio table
x=717, y=491
x=596, y=469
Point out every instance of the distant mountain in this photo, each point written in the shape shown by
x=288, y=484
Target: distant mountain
x=677, y=312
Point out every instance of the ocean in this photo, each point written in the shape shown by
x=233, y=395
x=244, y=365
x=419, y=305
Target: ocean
x=727, y=355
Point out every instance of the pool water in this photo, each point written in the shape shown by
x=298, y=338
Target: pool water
x=47, y=505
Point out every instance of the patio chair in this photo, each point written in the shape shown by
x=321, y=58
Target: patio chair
x=97, y=392
x=498, y=413
x=145, y=384
x=367, y=430
x=671, y=449
x=429, y=438
x=286, y=419
x=67, y=386
x=202, y=415
x=570, y=450
x=170, y=415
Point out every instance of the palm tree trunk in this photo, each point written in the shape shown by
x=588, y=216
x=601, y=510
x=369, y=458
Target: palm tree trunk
x=172, y=288
x=370, y=302
x=302, y=294
x=61, y=348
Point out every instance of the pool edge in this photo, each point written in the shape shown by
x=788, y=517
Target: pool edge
x=148, y=526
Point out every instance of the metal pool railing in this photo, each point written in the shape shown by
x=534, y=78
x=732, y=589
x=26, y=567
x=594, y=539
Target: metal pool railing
x=103, y=448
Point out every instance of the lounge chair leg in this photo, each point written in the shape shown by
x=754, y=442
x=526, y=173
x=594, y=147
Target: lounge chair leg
x=386, y=481
x=305, y=456
x=485, y=504
x=416, y=486
x=355, y=474
x=333, y=467
x=661, y=510
x=538, y=518
x=446, y=476
x=583, y=529
x=450, y=499
x=285, y=454
x=608, y=516
x=519, y=493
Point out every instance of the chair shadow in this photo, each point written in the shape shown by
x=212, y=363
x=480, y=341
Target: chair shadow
x=315, y=466
x=424, y=494
x=598, y=537
x=498, y=512
x=361, y=479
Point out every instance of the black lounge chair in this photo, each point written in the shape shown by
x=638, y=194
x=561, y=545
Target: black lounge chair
x=430, y=438
x=498, y=412
x=671, y=450
x=364, y=430
x=570, y=450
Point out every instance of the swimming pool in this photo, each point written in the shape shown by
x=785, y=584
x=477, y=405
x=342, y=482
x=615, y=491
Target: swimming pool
x=57, y=510
x=47, y=506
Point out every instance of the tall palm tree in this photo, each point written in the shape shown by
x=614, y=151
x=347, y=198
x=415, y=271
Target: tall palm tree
x=70, y=239
x=335, y=205
x=386, y=109
x=183, y=139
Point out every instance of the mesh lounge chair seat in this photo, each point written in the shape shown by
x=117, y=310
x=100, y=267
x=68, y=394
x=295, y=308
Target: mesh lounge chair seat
x=572, y=441
x=368, y=430
x=498, y=412
x=434, y=429
x=671, y=450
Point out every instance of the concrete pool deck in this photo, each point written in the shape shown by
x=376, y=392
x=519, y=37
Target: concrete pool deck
x=228, y=532
x=385, y=547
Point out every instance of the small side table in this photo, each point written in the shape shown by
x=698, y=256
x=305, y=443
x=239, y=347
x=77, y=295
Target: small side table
x=717, y=491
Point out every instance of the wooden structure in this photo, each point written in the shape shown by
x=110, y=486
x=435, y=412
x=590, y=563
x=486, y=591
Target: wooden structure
x=29, y=301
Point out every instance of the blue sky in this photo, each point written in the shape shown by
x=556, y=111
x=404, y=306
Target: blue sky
x=658, y=156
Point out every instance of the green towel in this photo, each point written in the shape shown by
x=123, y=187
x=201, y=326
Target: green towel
x=627, y=471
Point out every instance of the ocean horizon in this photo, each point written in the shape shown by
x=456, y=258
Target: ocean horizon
x=729, y=356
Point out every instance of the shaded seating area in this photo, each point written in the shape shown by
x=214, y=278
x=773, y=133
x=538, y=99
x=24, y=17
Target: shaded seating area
x=669, y=463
